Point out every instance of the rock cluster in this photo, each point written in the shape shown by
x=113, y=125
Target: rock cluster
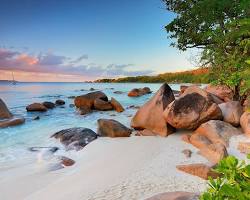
x=137, y=92
x=96, y=101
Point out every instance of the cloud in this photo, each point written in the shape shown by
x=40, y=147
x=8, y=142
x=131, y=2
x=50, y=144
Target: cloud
x=57, y=64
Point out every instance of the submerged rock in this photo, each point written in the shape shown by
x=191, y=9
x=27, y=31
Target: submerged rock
x=150, y=115
x=194, y=107
x=137, y=92
x=116, y=105
x=36, y=107
x=75, y=137
x=60, y=102
x=112, y=128
x=49, y=105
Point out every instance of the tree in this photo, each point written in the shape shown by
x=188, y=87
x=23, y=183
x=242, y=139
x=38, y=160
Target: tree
x=221, y=29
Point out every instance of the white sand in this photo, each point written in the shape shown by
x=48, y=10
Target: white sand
x=119, y=168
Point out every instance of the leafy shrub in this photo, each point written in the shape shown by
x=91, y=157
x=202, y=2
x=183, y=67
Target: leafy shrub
x=234, y=183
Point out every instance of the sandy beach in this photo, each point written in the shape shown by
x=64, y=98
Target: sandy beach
x=118, y=168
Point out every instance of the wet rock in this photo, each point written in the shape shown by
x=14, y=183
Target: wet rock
x=14, y=121
x=137, y=92
x=187, y=153
x=49, y=105
x=221, y=91
x=116, y=105
x=87, y=100
x=118, y=92
x=133, y=107
x=92, y=89
x=71, y=105
x=150, y=115
x=175, y=196
x=38, y=149
x=76, y=138
x=66, y=162
x=231, y=112
x=4, y=111
x=245, y=123
x=71, y=97
x=36, y=118
x=112, y=128
x=244, y=147
x=60, y=102
x=194, y=107
x=201, y=170
x=36, y=107
x=100, y=104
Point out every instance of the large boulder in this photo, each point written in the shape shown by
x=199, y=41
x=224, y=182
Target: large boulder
x=116, y=105
x=150, y=115
x=112, y=128
x=137, y=92
x=245, y=123
x=36, y=107
x=201, y=170
x=175, y=196
x=4, y=111
x=87, y=100
x=221, y=91
x=231, y=112
x=217, y=131
x=194, y=107
x=76, y=138
x=100, y=104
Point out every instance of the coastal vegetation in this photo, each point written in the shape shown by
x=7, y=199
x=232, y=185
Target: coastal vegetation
x=221, y=30
x=234, y=183
x=191, y=76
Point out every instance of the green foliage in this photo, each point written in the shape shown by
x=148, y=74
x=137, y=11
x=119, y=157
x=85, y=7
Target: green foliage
x=192, y=76
x=234, y=183
x=221, y=28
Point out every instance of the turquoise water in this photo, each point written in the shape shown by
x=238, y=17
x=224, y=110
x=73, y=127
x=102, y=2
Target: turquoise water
x=15, y=141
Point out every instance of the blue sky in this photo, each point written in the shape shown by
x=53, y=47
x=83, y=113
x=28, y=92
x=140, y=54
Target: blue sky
x=123, y=36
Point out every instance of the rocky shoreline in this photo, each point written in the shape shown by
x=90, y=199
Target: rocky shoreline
x=210, y=114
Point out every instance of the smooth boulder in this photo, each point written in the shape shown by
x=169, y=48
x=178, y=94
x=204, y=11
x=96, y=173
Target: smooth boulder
x=201, y=170
x=194, y=107
x=112, y=128
x=150, y=115
x=49, y=105
x=59, y=102
x=14, y=121
x=137, y=92
x=100, y=104
x=75, y=138
x=221, y=91
x=87, y=100
x=231, y=112
x=116, y=105
x=178, y=195
x=36, y=107
x=245, y=123
x=217, y=131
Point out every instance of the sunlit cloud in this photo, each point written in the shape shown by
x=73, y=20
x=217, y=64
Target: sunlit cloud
x=50, y=63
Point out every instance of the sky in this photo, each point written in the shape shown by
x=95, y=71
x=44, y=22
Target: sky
x=81, y=40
